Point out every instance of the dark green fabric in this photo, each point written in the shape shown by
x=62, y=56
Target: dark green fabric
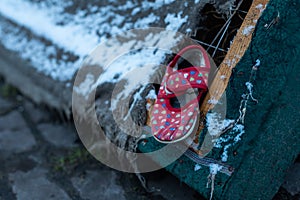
x=271, y=141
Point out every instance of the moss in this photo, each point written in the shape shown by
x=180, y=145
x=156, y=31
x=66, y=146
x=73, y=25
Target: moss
x=8, y=91
x=71, y=159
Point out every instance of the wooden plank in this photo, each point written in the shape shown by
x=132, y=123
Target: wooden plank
x=238, y=47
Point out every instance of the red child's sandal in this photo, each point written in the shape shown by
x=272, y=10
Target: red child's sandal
x=170, y=123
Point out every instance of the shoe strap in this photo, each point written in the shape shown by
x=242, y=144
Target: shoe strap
x=178, y=82
x=184, y=50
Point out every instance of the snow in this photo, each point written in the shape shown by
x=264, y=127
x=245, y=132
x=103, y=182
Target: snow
x=188, y=30
x=239, y=128
x=136, y=97
x=41, y=56
x=212, y=101
x=175, y=21
x=248, y=30
x=41, y=22
x=230, y=62
x=197, y=167
x=215, y=123
x=137, y=73
x=257, y=63
x=135, y=62
x=151, y=95
x=224, y=156
x=84, y=87
x=146, y=20
x=222, y=77
x=229, y=140
x=76, y=34
x=157, y=4
x=249, y=86
x=259, y=6
x=135, y=11
x=214, y=168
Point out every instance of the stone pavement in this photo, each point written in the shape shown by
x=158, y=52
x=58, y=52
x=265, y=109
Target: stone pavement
x=42, y=158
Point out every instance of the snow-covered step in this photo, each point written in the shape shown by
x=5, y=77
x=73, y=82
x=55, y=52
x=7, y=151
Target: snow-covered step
x=52, y=26
x=53, y=36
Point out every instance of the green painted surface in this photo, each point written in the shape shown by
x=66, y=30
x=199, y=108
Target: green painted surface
x=271, y=140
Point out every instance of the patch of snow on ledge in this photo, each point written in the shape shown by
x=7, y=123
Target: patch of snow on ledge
x=80, y=33
x=42, y=57
x=42, y=22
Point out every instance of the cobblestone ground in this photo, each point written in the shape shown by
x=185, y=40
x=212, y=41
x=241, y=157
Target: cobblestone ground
x=42, y=158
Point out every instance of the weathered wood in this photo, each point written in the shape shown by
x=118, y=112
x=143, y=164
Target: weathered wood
x=237, y=49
